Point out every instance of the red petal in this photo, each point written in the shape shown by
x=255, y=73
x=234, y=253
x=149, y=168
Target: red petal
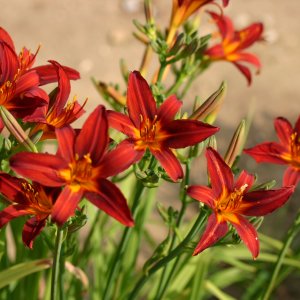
x=268, y=152
x=169, y=162
x=248, y=234
x=245, y=57
x=9, y=63
x=216, y=52
x=291, y=176
x=245, y=178
x=26, y=82
x=119, y=159
x=201, y=193
x=48, y=73
x=213, y=232
x=11, y=188
x=220, y=174
x=11, y=212
x=42, y=168
x=249, y=35
x=65, y=138
x=121, y=123
x=245, y=70
x=284, y=130
x=168, y=109
x=140, y=100
x=64, y=87
x=110, y=199
x=31, y=230
x=93, y=137
x=225, y=2
x=184, y=133
x=66, y=205
x=224, y=24
x=5, y=37
x=260, y=203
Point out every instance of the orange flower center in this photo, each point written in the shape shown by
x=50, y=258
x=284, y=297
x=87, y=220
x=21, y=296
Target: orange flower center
x=39, y=203
x=6, y=90
x=148, y=135
x=79, y=173
x=231, y=201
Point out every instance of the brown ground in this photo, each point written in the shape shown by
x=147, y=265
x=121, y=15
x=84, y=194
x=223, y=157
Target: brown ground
x=93, y=35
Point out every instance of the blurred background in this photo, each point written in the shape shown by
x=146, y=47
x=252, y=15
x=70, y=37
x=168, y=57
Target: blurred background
x=92, y=36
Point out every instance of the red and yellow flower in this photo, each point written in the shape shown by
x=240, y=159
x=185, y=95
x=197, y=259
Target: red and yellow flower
x=286, y=152
x=81, y=165
x=19, y=82
x=56, y=114
x=149, y=127
x=233, y=43
x=26, y=199
x=230, y=201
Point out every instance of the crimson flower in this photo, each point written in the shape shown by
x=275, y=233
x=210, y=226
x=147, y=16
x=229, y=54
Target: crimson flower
x=82, y=165
x=183, y=9
x=234, y=43
x=231, y=200
x=55, y=114
x=286, y=152
x=149, y=127
x=26, y=199
x=19, y=82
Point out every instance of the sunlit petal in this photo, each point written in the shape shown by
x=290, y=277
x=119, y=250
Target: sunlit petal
x=213, y=232
x=110, y=199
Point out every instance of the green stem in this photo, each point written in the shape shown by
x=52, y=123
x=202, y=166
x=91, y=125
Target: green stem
x=174, y=253
x=122, y=245
x=56, y=262
x=188, y=85
x=174, y=88
x=161, y=72
x=166, y=276
x=87, y=243
x=293, y=231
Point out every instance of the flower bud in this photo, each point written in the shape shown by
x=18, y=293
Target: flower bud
x=16, y=130
x=236, y=145
x=211, y=106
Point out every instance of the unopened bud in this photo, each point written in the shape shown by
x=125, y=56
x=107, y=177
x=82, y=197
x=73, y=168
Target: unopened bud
x=16, y=130
x=236, y=145
x=211, y=106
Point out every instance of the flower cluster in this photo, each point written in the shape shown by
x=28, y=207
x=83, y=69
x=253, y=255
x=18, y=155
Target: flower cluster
x=151, y=136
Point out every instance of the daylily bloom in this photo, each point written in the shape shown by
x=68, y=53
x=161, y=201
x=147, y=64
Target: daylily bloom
x=230, y=201
x=55, y=114
x=19, y=82
x=149, y=127
x=233, y=43
x=81, y=165
x=26, y=199
x=286, y=152
x=183, y=9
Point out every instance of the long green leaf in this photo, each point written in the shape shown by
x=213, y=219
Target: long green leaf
x=19, y=271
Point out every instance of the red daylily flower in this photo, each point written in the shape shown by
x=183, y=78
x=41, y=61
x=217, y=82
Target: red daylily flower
x=183, y=9
x=149, y=127
x=26, y=199
x=234, y=43
x=82, y=165
x=55, y=114
x=19, y=82
x=286, y=152
x=231, y=200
